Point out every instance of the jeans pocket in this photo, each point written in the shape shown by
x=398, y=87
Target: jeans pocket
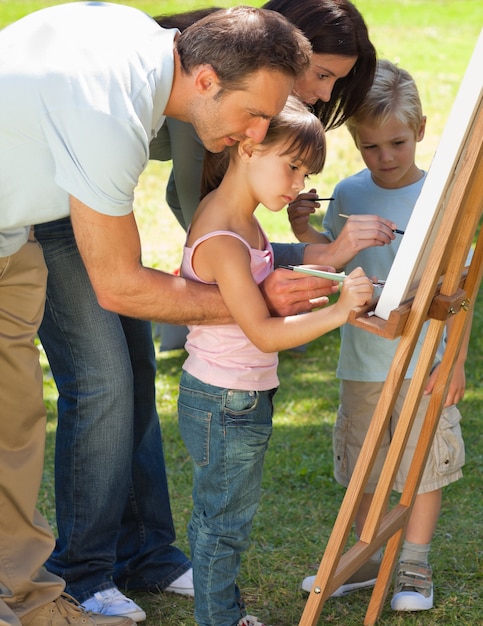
x=239, y=404
x=449, y=449
x=194, y=426
x=248, y=409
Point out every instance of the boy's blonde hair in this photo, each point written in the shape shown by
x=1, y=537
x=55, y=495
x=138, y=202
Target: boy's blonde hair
x=393, y=94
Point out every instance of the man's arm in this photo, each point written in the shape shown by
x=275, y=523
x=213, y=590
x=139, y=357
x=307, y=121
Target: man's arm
x=111, y=250
x=290, y=293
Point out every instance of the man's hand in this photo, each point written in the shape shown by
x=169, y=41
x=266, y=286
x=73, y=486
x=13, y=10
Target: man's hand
x=289, y=293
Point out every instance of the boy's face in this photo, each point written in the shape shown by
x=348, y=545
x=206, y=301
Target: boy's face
x=389, y=150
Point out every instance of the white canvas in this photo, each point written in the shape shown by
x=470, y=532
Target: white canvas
x=412, y=256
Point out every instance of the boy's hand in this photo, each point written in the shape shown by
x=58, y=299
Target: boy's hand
x=357, y=289
x=299, y=212
x=364, y=231
x=289, y=293
x=358, y=233
x=457, y=385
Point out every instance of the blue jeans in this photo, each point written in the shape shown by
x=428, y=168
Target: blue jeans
x=112, y=503
x=226, y=433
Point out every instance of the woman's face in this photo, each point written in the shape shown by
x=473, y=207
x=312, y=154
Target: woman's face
x=318, y=81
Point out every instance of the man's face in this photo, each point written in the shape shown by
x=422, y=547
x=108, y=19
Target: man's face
x=236, y=115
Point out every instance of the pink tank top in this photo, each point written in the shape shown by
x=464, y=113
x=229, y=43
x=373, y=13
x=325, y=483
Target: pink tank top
x=223, y=355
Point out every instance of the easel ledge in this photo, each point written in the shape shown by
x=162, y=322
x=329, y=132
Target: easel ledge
x=442, y=308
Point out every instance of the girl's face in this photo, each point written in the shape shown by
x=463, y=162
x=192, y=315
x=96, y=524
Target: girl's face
x=275, y=179
x=319, y=80
x=389, y=152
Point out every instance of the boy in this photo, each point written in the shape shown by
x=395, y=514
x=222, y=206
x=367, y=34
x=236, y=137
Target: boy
x=386, y=130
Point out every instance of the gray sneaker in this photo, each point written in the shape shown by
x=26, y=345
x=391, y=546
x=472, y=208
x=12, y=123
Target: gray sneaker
x=413, y=590
x=364, y=577
x=66, y=611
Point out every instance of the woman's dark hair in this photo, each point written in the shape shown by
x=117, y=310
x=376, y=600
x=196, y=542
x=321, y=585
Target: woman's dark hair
x=181, y=21
x=332, y=27
x=335, y=27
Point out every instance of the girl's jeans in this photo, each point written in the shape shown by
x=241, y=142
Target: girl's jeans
x=226, y=433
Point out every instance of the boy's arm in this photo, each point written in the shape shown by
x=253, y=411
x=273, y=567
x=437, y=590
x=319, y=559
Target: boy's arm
x=457, y=386
x=358, y=233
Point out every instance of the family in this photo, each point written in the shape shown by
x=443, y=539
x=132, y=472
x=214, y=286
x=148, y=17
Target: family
x=234, y=98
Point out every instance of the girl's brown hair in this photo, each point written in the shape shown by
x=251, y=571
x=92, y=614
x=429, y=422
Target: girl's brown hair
x=295, y=128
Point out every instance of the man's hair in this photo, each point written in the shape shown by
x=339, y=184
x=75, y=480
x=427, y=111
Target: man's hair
x=297, y=131
x=393, y=94
x=239, y=41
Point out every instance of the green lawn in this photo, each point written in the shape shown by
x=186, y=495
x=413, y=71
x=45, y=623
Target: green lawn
x=433, y=39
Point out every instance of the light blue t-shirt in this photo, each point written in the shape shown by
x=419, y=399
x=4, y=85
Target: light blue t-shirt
x=364, y=356
x=84, y=87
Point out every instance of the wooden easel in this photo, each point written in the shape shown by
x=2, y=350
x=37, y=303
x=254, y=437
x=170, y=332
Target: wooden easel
x=446, y=288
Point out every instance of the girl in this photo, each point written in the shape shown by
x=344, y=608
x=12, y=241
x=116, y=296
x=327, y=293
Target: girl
x=230, y=375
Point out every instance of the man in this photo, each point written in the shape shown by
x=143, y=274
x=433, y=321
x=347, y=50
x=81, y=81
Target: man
x=85, y=86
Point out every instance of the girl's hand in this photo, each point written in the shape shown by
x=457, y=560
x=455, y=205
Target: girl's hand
x=357, y=289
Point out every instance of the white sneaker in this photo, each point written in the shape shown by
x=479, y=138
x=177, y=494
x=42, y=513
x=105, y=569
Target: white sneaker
x=113, y=602
x=249, y=620
x=183, y=585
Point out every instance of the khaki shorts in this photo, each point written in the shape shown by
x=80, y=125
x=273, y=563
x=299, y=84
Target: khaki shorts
x=358, y=401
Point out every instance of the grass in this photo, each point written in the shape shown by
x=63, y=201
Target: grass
x=434, y=40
